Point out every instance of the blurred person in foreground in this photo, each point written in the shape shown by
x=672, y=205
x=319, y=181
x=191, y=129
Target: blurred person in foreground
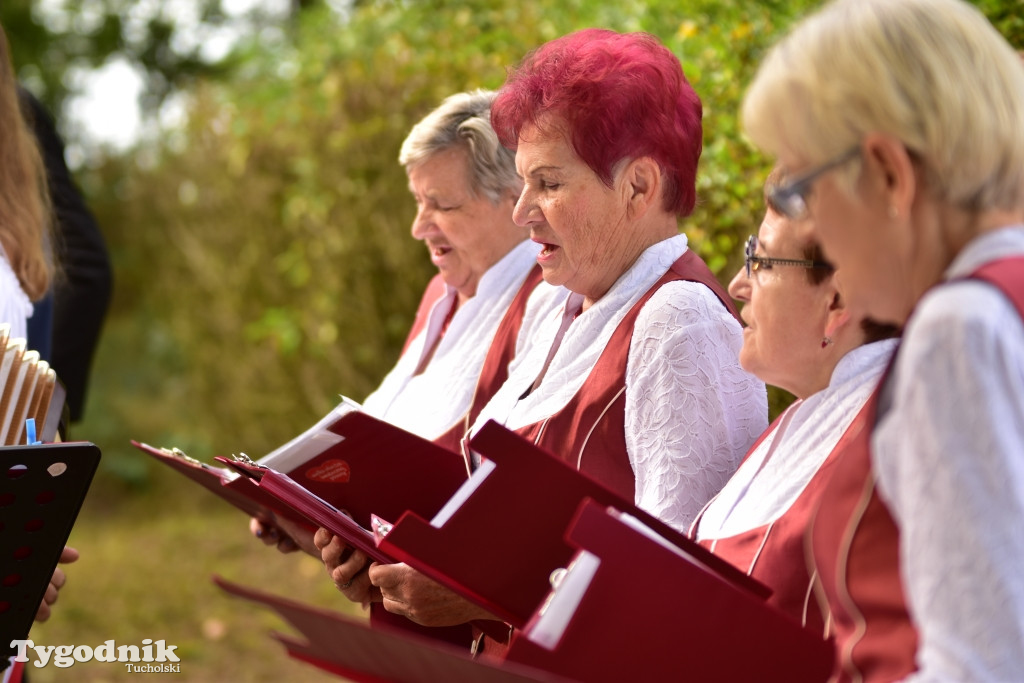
x=65, y=327
x=799, y=336
x=25, y=270
x=633, y=380
x=900, y=125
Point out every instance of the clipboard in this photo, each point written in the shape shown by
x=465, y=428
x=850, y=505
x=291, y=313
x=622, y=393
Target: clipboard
x=681, y=622
x=225, y=483
x=351, y=460
x=42, y=488
x=296, y=501
x=499, y=538
x=352, y=649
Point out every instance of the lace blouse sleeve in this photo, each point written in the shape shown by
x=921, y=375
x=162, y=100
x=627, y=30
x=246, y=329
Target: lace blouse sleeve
x=691, y=410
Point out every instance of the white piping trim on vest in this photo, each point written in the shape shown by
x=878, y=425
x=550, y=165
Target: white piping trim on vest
x=579, y=458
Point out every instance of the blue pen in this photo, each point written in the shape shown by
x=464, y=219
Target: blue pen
x=30, y=432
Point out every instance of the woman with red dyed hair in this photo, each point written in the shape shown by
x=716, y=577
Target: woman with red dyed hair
x=635, y=380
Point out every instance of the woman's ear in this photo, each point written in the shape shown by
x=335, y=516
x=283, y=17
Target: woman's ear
x=642, y=184
x=838, y=315
x=893, y=172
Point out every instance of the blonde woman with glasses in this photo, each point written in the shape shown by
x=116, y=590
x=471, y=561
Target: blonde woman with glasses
x=900, y=124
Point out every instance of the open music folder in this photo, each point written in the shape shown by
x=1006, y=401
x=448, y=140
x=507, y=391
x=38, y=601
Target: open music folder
x=498, y=539
x=348, y=459
x=42, y=488
x=352, y=649
x=632, y=606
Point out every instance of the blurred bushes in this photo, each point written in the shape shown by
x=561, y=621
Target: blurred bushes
x=264, y=261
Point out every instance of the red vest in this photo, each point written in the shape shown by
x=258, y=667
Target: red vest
x=494, y=371
x=492, y=376
x=434, y=292
x=589, y=433
x=856, y=543
x=774, y=553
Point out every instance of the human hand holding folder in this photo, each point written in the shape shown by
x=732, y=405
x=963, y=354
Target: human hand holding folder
x=409, y=593
x=347, y=568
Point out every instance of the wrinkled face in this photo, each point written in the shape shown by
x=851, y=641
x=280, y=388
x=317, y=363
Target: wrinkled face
x=872, y=256
x=785, y=314
x=461, y=230
x=578, y=219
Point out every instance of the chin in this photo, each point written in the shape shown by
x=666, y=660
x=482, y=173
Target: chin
x=552, y=276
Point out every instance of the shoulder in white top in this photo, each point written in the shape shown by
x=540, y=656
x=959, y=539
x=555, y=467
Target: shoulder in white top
x=691, y=411
x=15, y=306
x=948, y=452
x=430, y=403
x=776, y=472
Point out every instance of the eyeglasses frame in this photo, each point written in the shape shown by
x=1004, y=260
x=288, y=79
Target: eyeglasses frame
x=783, y=196
x=752, y=261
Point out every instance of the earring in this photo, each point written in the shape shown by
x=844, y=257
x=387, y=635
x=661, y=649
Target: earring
x=825, y=341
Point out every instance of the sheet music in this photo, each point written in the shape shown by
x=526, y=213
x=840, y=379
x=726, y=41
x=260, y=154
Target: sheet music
x=311, y=442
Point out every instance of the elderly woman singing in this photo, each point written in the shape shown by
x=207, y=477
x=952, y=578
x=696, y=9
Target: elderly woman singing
x=800, y=336
x=900, y=125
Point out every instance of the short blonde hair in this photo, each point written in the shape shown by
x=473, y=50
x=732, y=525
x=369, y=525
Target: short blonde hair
x=464, y=120
x=933, y=73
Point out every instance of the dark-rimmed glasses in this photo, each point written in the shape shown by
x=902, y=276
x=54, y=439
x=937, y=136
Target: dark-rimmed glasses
x=754, y=262
x=791, y=198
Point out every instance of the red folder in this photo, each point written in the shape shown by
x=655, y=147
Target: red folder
x=500, y=545
x=227, y=484
x=296, y=501
x=648, y=612
x=352, y=649
x=356, y=463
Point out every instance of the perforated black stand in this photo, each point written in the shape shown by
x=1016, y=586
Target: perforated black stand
x=41, y=490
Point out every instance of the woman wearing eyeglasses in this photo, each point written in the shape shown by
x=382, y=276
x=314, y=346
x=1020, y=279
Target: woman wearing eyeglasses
x=801, y=337
x=902, y=122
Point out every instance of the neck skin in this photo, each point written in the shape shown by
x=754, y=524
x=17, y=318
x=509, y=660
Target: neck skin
x=636, y=240
x=844, y=340
x=945, y=231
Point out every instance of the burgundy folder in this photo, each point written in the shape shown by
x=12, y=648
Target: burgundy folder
x=649, y=612
x=501, y=543
x=352, y=649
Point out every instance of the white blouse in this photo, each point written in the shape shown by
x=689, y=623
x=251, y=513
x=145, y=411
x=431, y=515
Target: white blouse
x=948, y=452
x=779, y=469
x=15, y=306
x=691, y=411
x=430, y=403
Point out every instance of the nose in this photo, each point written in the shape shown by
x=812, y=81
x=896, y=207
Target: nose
x=524, y=214
x=739, y=288
x=422, y=223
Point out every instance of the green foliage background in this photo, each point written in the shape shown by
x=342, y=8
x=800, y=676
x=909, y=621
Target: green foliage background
x=264, y=265
x=265, y=261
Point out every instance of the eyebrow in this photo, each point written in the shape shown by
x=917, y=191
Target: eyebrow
x=538, y=169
